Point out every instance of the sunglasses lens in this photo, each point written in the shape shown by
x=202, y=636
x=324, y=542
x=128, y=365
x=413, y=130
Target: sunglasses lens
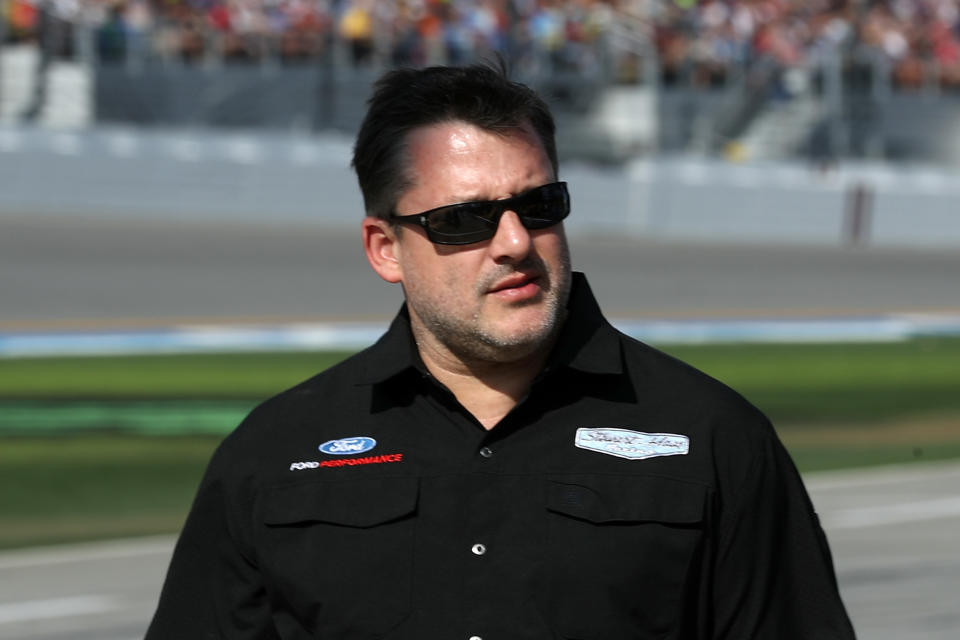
x=471, y=222
x=544, y=207
x=463, y=223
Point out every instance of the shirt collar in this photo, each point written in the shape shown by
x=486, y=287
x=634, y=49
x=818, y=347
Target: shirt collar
x=394, y=353
x=587, y=341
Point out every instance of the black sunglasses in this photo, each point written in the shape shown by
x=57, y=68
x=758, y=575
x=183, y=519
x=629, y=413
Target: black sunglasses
x=469, y=222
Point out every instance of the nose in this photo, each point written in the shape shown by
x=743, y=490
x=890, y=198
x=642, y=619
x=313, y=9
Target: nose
x=512, y=240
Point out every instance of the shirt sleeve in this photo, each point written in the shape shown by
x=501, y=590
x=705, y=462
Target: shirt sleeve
x=774, y=576
x=213, y=589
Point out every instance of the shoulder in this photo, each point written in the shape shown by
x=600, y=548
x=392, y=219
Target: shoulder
x=733, y=446
x=696, y=402
x=675, y=378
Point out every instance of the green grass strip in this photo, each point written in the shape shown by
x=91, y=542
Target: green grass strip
x=190, y=376
x=838, y=382
x=150, y=417
x=793, y=384
x=822, y=458
x=90, y=486
x=757, y=368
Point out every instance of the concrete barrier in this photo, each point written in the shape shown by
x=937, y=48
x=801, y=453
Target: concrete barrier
x=306, y=179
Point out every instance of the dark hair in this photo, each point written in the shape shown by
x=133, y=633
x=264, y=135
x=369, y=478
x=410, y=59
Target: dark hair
x=406, y=99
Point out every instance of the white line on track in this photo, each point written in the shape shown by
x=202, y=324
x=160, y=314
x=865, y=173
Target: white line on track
x=244, y=152
x=109, y=550
x=10, y=141
x=123, y=145
x=887, y=474
x=56, y=608
x=892, y=514
x=320, y=335
x=66, y=144
x=185, y=150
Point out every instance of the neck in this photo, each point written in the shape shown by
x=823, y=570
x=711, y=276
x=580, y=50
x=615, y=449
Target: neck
x=488, y=390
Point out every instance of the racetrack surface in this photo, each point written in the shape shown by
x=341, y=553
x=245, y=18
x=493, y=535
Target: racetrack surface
x=893, y=532
x=73, y=273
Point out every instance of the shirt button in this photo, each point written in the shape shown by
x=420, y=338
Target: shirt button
x=478, y=549
x=475, y=638
x=486, y=452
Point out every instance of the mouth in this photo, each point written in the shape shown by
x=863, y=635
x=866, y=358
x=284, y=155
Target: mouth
x=517, y=285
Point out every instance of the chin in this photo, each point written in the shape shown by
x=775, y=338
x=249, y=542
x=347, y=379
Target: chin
x=509, y=353
x=521, y=341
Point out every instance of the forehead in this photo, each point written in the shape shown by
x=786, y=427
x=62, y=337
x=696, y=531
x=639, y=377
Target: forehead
x=460, y=160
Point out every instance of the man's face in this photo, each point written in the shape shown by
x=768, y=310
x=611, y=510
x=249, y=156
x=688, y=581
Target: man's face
x=499, y=299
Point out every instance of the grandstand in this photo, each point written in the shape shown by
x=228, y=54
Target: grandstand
x=742, y=79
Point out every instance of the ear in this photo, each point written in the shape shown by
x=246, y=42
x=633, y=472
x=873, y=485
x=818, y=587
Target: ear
x=382, y=247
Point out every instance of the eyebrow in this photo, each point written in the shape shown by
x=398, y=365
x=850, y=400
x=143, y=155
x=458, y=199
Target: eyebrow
x=481, y=199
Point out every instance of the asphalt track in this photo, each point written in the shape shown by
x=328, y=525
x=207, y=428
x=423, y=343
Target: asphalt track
x=58, y=272
x=893, y=532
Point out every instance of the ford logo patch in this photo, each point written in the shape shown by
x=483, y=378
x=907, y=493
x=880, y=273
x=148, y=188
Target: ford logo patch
x=346, y=446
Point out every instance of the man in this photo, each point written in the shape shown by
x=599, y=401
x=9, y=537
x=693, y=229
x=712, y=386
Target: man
x=502, y=464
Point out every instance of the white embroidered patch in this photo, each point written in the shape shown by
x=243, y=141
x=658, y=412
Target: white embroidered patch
x=633, y=445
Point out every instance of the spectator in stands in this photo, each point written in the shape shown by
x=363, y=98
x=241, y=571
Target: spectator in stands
x=356, y=27
x=112, y=36
x=305, y=35
x=54, y=33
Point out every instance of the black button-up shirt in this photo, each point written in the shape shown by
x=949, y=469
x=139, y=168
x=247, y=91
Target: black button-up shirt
x=628, y=496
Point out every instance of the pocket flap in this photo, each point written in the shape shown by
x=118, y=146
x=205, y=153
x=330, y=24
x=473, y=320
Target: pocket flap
x=603, y=499
x=364, y=502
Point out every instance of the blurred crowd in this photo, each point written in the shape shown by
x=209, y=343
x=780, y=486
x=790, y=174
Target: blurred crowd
x=917, y=40
x=920, y=38
x=412, y=32
x=697, y=42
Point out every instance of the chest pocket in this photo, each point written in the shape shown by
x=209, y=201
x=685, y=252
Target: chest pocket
x=621, y=550
x=339, y=555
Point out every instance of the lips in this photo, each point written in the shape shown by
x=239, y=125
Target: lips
x=515, y=281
